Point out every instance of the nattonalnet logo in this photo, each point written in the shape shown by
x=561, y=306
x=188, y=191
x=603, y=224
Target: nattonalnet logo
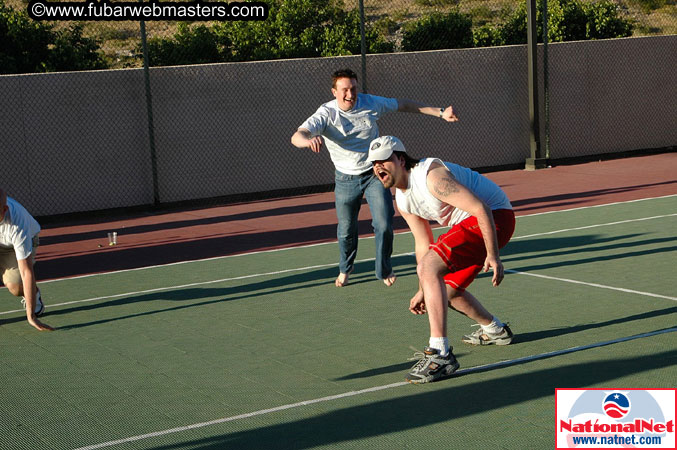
x=615, y=418
x=616, y=405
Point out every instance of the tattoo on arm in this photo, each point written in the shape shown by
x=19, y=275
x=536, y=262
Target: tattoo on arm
x=447, y=185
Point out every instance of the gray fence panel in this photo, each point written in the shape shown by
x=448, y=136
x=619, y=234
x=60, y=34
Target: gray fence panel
x=85, y=141
x=487, y=88
x=225, y=129
x=613, y=95
x=79, y=141
x=16, y=167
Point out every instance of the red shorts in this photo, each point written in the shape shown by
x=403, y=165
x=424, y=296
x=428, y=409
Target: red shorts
x=462, y=247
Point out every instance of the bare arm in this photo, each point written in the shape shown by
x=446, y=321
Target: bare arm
x=302, y=139
x=423, y=234
x=444, y=187
x=423, y=237
x=30, y=290
x=411, y=106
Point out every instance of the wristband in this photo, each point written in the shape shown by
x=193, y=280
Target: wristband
x=441, y=112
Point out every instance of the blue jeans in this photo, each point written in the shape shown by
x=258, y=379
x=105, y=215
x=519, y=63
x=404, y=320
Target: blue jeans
x=348, y=195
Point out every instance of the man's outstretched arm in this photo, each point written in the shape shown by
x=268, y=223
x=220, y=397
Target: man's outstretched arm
x=411, y=106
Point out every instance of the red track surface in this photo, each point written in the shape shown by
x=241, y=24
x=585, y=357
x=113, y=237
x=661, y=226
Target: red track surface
x=154, y=239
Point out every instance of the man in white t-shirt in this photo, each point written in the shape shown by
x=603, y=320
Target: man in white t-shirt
x=481, y=222
x=347, y=125
x=18, y=242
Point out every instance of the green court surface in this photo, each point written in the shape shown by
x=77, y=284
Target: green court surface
x=261, y=351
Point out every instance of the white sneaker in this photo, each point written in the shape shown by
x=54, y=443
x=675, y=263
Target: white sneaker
x=39, y=306
x=480, y=337
x=431, y=366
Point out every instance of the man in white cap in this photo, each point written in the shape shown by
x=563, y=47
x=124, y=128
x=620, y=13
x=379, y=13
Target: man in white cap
x=481, y=221
x=18, y=241
x=347, y=125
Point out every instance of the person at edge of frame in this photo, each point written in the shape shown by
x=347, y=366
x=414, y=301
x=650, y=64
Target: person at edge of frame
x=18, y=243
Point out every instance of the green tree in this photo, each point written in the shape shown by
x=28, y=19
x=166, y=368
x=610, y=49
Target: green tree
x=568, y=20
x=30, y=46
x=293, y=29
x=436, y=31
x=344, y=37
x=486, y=36
x=73, y=51
x=25, y=43
x=604, y=21
x=194, y=45
x=575, y=20
x=514, y=28
x=301, y=29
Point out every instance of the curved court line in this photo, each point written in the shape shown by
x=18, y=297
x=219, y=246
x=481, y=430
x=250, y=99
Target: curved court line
x=331, y=242
x=482, y=368
x=602, y=286
x=323, y=266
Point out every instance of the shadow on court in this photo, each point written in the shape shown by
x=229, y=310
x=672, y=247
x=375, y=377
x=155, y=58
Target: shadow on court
x=194, y=297
x=589, y=244
x=430, y=407
x=523, y=338
x=393, y=368
x=172, y=252
x=596, y=259
x=177, y=224
x=573, y=199
x=568, y=246
x=560, y=246
x=184, y=248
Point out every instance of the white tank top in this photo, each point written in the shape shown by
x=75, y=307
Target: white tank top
x=418, y=200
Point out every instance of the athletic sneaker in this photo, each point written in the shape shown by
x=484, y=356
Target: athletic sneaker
x=431, y=366
x=39, y=306
x=481, y=337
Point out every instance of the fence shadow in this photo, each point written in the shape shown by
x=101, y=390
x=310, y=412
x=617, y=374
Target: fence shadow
x=572, y=199
x=66, y=236
x=384, y=417
x=193, y=297
x=168, y=252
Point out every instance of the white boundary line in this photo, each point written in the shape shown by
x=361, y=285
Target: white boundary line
x=593, y=226
x=327, y=243
x=469, y=370
x=322, y=266
x=199, y=283
x=599, y=206
x=602, y=286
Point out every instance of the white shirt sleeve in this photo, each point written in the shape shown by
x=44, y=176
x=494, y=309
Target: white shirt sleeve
x=317, y=122
x=383, y=105
x=17, y=230
x=23, y=245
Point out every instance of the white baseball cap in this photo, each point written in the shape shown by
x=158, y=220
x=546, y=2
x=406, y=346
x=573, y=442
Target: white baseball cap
x=382, y=147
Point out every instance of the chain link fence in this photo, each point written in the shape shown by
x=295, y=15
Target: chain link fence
x=209, y=133
x=611, y=102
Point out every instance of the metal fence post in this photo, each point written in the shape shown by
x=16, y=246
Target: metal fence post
x=149, y=111
x=546, y=88
x=536, y=161
x=363, y=45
